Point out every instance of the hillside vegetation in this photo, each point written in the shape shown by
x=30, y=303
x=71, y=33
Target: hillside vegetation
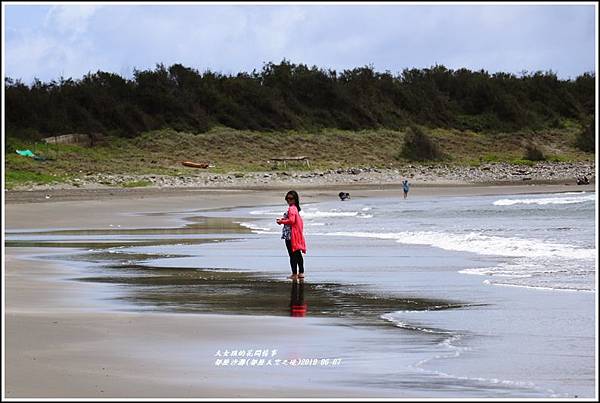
x=357, y=117
x=229, y=150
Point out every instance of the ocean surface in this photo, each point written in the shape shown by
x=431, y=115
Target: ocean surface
x=479, y=296
x=537, y=241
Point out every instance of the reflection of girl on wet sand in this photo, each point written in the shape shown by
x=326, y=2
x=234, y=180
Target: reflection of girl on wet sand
x=297, y=305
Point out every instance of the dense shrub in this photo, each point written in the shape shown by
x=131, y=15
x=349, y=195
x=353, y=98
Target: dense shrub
x=289, y=96
x=419, y=147
x=533, y=153
x=586, y=139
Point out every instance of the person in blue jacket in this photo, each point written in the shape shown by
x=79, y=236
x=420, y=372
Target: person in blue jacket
x=405, y=187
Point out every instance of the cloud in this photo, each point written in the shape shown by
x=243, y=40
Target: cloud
x=72, y=20
x=58, y=45
x=73, y=40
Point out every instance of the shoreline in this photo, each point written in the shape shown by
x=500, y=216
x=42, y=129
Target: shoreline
x=47, y=210
x=395, y=189
x=113, y=366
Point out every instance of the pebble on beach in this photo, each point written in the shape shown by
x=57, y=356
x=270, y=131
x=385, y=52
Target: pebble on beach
x=430, y=174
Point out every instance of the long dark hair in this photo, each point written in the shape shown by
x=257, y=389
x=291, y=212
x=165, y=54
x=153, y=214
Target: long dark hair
x=294, y=194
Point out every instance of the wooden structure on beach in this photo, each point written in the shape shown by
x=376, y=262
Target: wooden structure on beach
x=85, y=140
x=278, y=160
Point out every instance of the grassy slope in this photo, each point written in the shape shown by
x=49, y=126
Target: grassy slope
x=160, y=152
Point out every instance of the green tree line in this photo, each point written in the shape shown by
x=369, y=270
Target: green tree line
x=295, y=96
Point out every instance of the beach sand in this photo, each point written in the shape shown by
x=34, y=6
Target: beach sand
x=63, y=340
x=66, y=339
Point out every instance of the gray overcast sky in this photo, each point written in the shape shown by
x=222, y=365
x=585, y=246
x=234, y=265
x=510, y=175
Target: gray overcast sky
x=47, y=41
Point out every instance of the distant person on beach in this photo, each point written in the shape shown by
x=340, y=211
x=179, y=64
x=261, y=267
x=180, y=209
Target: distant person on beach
x=292, y=233
x=405, y=187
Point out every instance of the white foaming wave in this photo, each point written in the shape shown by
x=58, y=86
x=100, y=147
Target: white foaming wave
x=547, y=200
x=314, y=213
x=390, y=317
x=525, y=267
x=538, y=287
x=493, y=271
x=265, y=212
x=481, y=244
x=326, y=214
x=496, y=381
x=254, y=227
x=544, y=274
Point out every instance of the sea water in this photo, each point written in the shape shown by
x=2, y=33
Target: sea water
x=539, y=241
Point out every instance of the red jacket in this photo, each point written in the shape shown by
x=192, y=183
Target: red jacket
x=295, y=222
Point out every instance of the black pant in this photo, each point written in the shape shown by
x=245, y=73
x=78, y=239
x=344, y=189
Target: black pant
x=296, y=259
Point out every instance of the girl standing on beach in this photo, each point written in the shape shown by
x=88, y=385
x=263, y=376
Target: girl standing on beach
x=292, y=233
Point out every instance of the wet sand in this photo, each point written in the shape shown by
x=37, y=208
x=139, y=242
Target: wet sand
x=65, y=338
